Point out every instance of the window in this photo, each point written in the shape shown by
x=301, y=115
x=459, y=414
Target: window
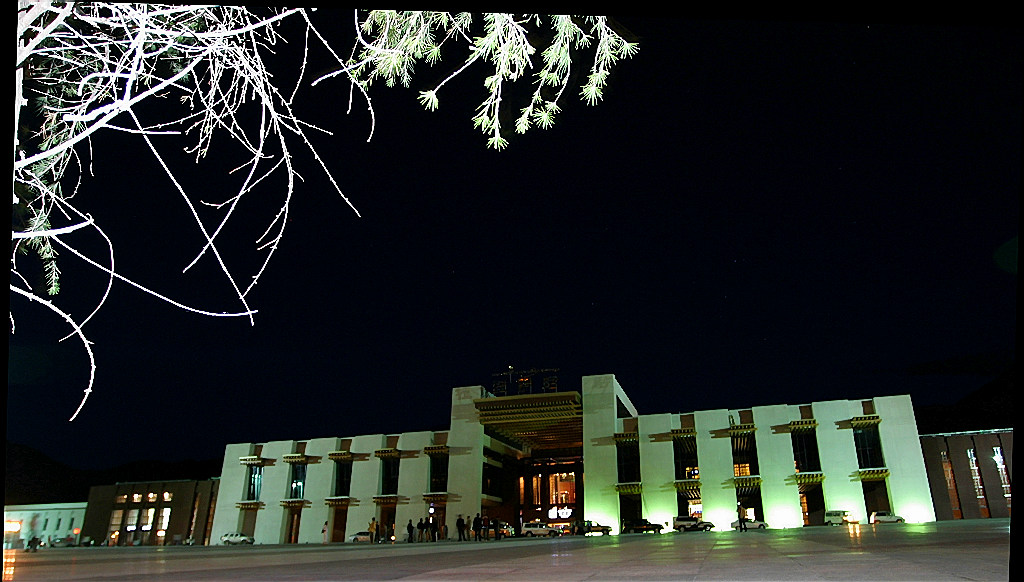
x=439, y=473
x=628, y=461
x=979, y=486
x=562, y=487
x=115, y=519
x=255, y=483
x=869, y=447
x=168, y=496
x=151, y=497
x=685, y=455
x=57, y=528
x=954, y=497
x=805, y=451
x=133, y=519
x=389, y=480
x=298, y=486
x=741, y=470
x=342, y=478
x=165, y=517
x=535, y=496
x=136, y=498
x=147, y=518
x=121, y=499
x=1004, y=477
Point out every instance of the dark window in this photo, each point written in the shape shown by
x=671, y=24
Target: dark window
x=389, y=480
x=343, y=479
x=629, y=461
x=439, y=473
x=744, y=455
x=805, y=451
x=685, y=451
x=869, y=447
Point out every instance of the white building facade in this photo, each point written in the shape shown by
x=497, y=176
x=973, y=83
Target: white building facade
x=562, y=457
x=59, y=523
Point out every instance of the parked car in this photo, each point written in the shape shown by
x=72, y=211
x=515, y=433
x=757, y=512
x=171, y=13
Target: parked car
x=536, y=528
x=885, y=517
x=641, y=526
x=587, y=527
x=689, y=523
x=838, y=517
x=235, y=538
x=360, y=536
x=751, y=524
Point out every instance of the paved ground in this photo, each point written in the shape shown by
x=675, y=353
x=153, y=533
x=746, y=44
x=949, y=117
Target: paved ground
x=960, y=550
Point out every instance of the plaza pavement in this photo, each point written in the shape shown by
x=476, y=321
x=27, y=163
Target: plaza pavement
x=951, y=550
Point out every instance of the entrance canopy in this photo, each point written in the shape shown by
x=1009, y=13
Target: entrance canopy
x=540, y=421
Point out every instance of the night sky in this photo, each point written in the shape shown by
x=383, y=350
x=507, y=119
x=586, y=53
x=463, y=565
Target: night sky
x=758, y=213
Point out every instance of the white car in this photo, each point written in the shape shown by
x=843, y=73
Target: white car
x=536, y=528
x=751, y=524
x=360, y=536
x=235, y=538
x=885, y=517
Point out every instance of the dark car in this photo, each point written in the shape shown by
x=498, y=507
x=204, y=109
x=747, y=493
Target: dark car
x=641, y=526
x=589, y=527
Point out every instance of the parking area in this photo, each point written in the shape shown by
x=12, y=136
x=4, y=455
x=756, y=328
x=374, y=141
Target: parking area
x=956, y=550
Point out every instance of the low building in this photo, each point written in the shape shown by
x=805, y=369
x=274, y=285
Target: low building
x=969, y=472
x=52, y=523
x=151, y=513
x=565, y=456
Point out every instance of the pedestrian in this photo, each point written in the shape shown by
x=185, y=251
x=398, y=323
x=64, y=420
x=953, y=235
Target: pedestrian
x=477, y=523
x=460, y=524
x=324, y=532
x=373, y=529
x=433, y=529
x=422, y=528
x=412, y=531
x=496, y=525
x=486, y=523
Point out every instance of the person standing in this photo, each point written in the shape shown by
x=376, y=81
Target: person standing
x=422, y=529
x=486, y=523
x=411, y=529
x=477, y=523
x=460, y=524
x=373, y=529
x=433, y=529
x=324, y=532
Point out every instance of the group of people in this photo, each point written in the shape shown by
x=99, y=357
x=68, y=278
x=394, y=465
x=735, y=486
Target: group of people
x=481, y=526
x=425, y=531
x=380, y=532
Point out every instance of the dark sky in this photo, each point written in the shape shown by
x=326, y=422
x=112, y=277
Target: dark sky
x=758, y=213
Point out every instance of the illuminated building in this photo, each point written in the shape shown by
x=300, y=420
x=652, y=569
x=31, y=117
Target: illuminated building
x=50, y=522
x=565, y=456
x=151, y=513
x=969, y=473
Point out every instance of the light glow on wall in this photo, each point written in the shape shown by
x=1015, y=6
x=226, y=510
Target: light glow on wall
x=604, y=513
x=783, y=515
x=916, y=512
x=722, y=518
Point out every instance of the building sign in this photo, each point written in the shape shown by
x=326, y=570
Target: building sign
x=559, y=513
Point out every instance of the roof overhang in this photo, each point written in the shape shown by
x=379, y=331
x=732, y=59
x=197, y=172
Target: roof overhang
x=540, y=421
